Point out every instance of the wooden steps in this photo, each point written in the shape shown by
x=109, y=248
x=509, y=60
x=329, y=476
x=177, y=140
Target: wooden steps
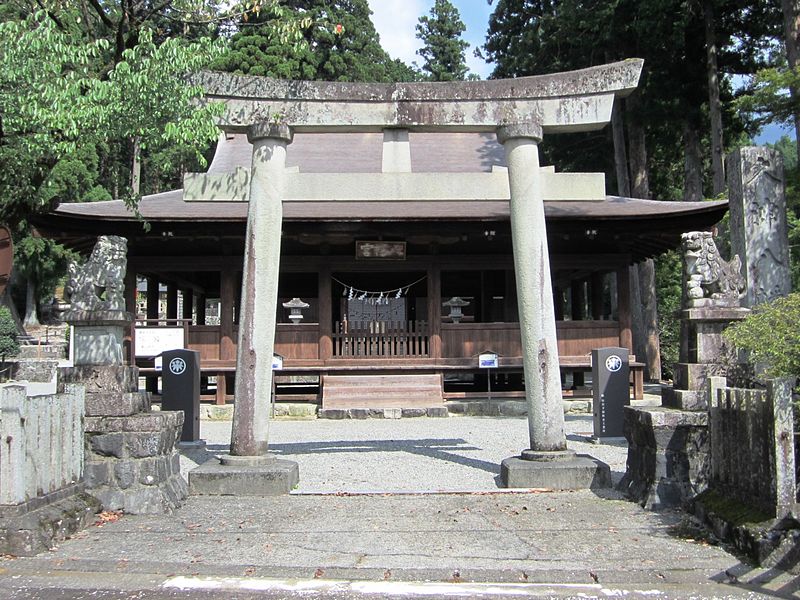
x=381, y=391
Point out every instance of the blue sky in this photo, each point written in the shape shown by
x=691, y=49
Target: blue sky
x=396, y=20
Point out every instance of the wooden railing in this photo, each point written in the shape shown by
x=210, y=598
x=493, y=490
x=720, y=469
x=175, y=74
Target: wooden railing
x=380, y=339
x=42, y=442
x=752, y=444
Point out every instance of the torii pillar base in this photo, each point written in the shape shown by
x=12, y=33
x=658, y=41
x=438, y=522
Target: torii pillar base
x=564, y=470
x=244, y=476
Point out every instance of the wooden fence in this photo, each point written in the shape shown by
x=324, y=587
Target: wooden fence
x=41, y=442
x=752, y=444
x=380, y=338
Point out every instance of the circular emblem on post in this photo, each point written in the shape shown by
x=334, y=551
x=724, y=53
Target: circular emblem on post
x=177, y=366
x=613, y=363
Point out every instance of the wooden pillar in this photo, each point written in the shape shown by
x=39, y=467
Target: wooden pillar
x=172, y=301
x=558, y=303
x=435, y=311
x=188, y=301
x=130, y=306
x=578, y=292
x=201, y=309
x=222, y=388
x=152, y=298
x=511, y=314
x=597, y=296
x=227, y=297
x=624, y=308
x=325, y=293
x=152, y=313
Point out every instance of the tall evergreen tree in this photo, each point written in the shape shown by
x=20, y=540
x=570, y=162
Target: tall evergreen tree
x=341, y=44
x=443, y=49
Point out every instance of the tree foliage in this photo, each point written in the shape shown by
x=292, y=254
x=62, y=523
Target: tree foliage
x=443, y=49
x=771, y=336
x=339, y=43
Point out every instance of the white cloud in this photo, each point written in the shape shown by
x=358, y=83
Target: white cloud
x=395, y=21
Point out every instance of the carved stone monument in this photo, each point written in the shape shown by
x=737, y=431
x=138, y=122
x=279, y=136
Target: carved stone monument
x=131, y=462
x=668, y=446
x=712, y=294
x=759, y=232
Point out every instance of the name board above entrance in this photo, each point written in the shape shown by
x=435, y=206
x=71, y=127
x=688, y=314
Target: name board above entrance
x=380, y=250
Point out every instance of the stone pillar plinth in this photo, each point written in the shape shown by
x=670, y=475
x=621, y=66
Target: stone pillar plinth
x=249, y=469
x=547, y=462
x=703, y=354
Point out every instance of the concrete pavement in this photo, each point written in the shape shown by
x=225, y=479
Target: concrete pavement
x=485, y=543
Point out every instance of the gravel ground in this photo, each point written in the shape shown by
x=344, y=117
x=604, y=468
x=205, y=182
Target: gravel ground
x=414, y=454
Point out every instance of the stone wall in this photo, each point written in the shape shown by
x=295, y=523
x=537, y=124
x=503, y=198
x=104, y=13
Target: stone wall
x=668, y=456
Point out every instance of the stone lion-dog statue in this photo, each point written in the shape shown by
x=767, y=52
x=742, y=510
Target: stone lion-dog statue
x=710, y=280
x=99, y=283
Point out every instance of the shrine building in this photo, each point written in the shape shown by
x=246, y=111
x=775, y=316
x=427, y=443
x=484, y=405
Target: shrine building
x=396, y=254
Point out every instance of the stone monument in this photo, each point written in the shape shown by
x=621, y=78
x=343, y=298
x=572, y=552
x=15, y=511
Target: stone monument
x=668, y=445
x=759, y=231
x=131, y=462
x=712, y=295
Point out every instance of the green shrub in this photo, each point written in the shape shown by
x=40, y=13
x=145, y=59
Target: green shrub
x=8, y=338
x=771, y=336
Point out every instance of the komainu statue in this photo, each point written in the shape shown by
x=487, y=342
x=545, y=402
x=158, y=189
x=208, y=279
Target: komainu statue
x=99, y=283
x=709, y=280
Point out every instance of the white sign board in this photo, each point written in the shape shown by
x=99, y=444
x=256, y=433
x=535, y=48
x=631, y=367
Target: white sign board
x=487, y=360
x=151, y=341
x=277, y=362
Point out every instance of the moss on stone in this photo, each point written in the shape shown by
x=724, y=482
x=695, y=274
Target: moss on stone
x=732, y=510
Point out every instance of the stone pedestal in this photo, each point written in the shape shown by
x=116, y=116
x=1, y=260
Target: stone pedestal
x=703, y=354
x=668, y=456
x=131, y=461
x=97, y=335
x=244, y=476
x=555, y=470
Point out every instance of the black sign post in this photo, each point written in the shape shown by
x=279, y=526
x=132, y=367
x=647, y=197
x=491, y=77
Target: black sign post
x=611, y=390
x=180, y=389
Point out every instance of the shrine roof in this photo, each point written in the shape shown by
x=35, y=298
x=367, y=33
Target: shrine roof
x=170, y=206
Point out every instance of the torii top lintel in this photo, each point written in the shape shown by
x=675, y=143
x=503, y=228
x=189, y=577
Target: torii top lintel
x=571, y=101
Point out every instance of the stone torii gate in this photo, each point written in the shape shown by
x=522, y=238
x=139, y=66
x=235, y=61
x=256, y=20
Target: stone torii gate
x=520, y=111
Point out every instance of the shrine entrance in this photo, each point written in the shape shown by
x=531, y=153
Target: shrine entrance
x=380, y=315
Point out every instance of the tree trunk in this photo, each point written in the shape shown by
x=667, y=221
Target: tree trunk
x=637, y=150
x=693, y=165
x=645, y=314
x=714, y=106
x=620, y=153
x=652, y=343
x=31, y=319
x=791, y=33
x=136, y=167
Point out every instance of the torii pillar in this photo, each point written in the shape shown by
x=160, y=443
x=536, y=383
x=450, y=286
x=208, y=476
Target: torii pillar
x=548, y=462
x=249, y=469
